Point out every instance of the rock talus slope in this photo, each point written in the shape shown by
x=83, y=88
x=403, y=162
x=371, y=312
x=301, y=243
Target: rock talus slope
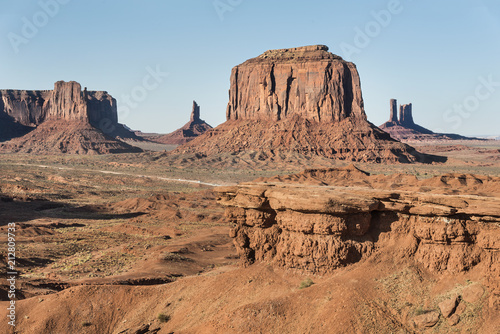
x=304, y=100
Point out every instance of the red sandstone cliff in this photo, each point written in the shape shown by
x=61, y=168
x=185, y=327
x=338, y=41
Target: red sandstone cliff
x=307, y=81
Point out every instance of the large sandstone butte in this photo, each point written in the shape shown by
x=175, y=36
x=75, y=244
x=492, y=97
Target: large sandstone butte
x=304, y=100
x=320, y=220
x=405, y=128
x=192, y=129
x=65, y=119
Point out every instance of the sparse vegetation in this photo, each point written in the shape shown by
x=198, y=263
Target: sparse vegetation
x=174, y=257
x=306, y=283
x=162, y=317
x=420, y=310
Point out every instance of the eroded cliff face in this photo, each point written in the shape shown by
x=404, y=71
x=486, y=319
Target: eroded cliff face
x=67, y=102
x=27, y=107
x=307, y=81
x=320, y=228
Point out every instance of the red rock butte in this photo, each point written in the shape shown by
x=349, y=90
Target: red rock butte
x=63, y=120
x=304, y=100
x=307, y=81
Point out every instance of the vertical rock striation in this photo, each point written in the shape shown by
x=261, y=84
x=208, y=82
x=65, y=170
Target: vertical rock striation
x=195, y=113
x=307, y=81
x=405, y=115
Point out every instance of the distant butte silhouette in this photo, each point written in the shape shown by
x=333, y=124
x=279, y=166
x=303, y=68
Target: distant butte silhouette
x=405, y=128
x=194, y=128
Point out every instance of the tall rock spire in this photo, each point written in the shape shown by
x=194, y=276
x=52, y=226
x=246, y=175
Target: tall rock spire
x=394, y=111
x=195, y=114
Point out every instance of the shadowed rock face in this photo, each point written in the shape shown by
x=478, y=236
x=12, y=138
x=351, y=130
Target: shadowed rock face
x=394, y=110
x=307, y=81
x=66, y=102
x=405, y=115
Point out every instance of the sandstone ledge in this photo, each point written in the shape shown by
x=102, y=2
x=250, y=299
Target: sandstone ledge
x=320, y=228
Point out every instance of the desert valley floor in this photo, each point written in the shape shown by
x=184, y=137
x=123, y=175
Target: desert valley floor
x=137, y=243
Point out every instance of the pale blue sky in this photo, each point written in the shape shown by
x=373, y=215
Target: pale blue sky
x=443, y=56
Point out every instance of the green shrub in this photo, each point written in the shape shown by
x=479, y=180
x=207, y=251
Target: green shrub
x=306, y=283
x=163, y=317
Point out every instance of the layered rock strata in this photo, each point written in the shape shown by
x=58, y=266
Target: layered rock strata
x=313, y=221
x=303, y=100
x=306, y=81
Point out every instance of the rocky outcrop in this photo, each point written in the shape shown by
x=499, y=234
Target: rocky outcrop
x=66, y=102
x=25, y=107
x=303, y=100
x=405, y=128
x=321, y=220
x=194, y=128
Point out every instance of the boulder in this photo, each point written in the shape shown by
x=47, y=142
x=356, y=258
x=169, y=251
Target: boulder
x=448, y=306
x=426, y=320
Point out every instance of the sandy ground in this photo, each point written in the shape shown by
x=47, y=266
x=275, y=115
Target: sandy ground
x=110, y=244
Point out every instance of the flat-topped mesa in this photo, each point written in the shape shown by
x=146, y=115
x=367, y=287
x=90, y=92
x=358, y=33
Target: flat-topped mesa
x=308, y=81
